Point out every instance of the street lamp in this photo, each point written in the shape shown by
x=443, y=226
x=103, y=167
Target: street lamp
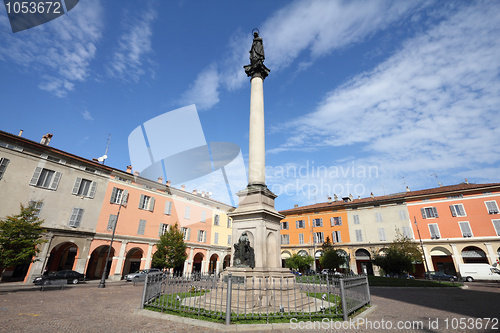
x=422, y=246
x=123, y=202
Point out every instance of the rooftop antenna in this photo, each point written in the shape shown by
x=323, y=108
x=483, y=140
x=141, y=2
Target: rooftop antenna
x=439, y=183
x=105, y=156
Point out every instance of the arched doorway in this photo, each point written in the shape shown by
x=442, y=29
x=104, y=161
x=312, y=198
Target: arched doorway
x=95, y=267
x=363, y=262
x=212, y=267
x=132, y=261
x=284, y=256
x=197, y=260
x=317, y=255
x=62, y=257
x=442, y=260
x=345, y=267
x=474, y=255
x=227, y=261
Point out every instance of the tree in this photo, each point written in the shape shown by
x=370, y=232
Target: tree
x=170, y=249
x=399, y=257
x=299, y=262
x=331, y=258
x=20, y=236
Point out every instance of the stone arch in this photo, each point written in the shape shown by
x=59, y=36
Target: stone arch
x=442, y=260
x=227, y=261
x=62, y=257
x=212, y=266
x=303, y=253
x=271, y=253
x=474, y=255
x=363, y=261
x=132, y=260
x=97, y=260
x=197, y=262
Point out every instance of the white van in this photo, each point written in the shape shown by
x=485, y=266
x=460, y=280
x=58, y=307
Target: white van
x=471, y=272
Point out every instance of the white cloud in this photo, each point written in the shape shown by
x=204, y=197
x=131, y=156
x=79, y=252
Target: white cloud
x=133, y=48
x=432, y=106
x=64, y=47
x=204, y=91
x=86, y=115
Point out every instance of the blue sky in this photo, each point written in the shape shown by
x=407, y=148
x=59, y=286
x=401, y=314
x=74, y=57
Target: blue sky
x=363, y=96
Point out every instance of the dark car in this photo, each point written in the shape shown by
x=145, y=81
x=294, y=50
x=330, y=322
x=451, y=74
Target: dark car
x=440, y=276
x=71, y=277
x=310, y=272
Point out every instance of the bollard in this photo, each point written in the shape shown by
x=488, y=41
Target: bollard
x=228, y=300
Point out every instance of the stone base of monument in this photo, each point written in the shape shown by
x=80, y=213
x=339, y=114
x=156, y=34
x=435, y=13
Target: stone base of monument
x=257, y=290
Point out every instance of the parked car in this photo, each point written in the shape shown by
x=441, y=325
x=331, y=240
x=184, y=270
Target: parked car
x=296, y=273
x=440, y=276
x=310, y=272
x=140, y=275
x=70, y=276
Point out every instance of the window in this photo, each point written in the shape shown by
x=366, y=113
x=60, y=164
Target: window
x=216, y=238
x=301, y=238
x=84, y=188
x=381, y=234
x=378, y=217
x=407, y=232
x=163, y=229
x=147, y=203
x=111, y=222
x=118, y=195
x=317, y=222
x=402, y=215
x=186, y=232
x=204, y=216
x=3, y=166
x=202, y=236
x=434, y=229
x=187, y=212
x=300, y=224
x=335, y=221
x=37, y=206
x=284, y=225
x=492, y=207
x=359, y=236
x=319, y=237
x=229, y=240
x=465, y=228
x=45, y=178
x=496, y=225
x=429, y=212
x=457, y=210
x=336, y=237
x=76, y=217
x=356, y=219
x=285, y=239
x=142, y=227
x=168, y=208
x=216, y=219
x=229, y=222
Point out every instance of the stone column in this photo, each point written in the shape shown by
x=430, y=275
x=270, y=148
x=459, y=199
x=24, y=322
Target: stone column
x=257, y=147
x=119, y=263
x=148, y=255
x=491, y=254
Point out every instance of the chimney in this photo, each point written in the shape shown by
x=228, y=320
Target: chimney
x=20, y=133
x=195, y=191
x=329, y=199
x=371, y=195
x=466, y=181
x=136, y=173
x=129, y=169
x=183, y=187
x=335, y=198
x=203, y=193
x=46, y=139
x=350, y=197
x=160, y=180
x=408, y=189
x=295, y=206
x=168, y=183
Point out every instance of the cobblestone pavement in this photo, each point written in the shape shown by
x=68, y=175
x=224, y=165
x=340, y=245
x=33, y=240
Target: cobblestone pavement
x=86, y=308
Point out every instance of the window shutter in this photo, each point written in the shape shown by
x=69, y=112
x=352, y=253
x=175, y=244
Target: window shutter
x=3, y=165
x=160, y=231
x=187, y=212
x=229, y=240
x=142, y=227
x=216, y=238
x=453, y=210
x=340, y=220
x=93, y=189
x=423, y=213
x=434, y=210
x=36, y=175
x=496, y=225
x=113, y=194
x=152, y=204
x=296, y=224
x=332, y=221
x=77, y=185
x=381, y=234
x=55, y=181
x=339, y=239
x=334, y=237
x=188, y=237
x=216, y=219
x=79, y=217
x=168, y=208
x=141, y=201
x=204, y=237
x=124, y=198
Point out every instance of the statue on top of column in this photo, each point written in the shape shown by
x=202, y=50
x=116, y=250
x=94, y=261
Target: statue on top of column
x=257, y=57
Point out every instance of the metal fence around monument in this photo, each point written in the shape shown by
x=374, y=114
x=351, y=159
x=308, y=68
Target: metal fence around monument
x=233, y=299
